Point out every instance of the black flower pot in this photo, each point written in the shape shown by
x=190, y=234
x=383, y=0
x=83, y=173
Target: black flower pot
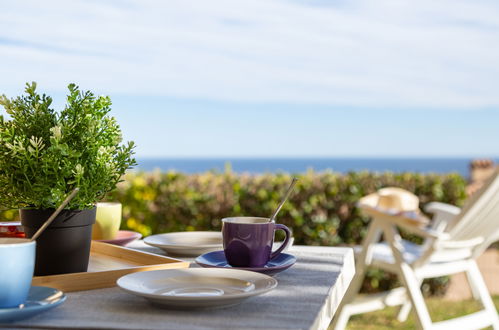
x=64, y=247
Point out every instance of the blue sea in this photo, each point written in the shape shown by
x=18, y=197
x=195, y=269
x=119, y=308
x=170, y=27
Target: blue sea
x=300, y=165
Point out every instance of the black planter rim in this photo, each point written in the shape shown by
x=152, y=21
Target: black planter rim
x=34, y=218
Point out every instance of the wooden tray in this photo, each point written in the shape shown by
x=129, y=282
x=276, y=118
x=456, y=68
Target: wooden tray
x=107, y=264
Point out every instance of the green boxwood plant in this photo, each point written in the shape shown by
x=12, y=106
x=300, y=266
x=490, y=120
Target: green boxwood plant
x=45, y=154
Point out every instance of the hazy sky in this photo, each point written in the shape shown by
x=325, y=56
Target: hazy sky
x=271, y=78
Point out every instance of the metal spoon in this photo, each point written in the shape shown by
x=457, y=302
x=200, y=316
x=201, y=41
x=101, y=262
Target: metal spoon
x=286, y=195
x=55, y=214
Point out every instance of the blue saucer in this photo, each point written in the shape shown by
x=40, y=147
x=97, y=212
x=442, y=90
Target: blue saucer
x=40, y=299
x=217, y=259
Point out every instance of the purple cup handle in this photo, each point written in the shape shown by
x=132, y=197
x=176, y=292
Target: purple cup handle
x=286, y=240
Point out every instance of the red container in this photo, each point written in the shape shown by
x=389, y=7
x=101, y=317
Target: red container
x=11, y=229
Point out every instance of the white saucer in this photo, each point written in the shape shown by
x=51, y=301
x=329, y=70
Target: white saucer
x=40, y=299
x=187, y=243
x=196, y=287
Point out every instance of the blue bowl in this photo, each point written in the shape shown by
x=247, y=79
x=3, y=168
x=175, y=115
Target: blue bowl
x=17, y=263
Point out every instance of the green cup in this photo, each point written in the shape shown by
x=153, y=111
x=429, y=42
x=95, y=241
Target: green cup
x=107, y=221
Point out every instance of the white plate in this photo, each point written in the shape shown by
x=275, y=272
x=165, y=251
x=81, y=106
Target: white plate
x=196, y=287
x=187, y=243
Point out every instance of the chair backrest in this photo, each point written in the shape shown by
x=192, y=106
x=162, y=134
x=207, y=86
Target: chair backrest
x=479, y=217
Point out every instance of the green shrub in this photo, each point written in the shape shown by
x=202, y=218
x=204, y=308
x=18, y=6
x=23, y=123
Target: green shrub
x=321, y=210
x=45, y=154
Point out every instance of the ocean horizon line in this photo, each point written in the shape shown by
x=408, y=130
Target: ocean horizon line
x=496, y=158
x=300, y=165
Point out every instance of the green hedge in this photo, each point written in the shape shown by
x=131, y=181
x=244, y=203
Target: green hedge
x=321, y=210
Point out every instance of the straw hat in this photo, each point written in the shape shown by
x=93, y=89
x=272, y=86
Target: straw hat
x=391, y=200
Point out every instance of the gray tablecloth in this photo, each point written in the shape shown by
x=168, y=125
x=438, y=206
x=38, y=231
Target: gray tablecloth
x=306, y=298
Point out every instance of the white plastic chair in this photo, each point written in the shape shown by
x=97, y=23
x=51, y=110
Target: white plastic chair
x=452, y=243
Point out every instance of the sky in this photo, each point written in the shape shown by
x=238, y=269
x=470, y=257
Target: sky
x=270, y=78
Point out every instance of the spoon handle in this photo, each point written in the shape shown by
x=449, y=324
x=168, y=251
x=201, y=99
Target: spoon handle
x=55, y=214
x=286, y=195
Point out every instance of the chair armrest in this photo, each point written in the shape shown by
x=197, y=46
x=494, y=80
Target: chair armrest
x=470, y=243
x=442, y=208
x=444, y=215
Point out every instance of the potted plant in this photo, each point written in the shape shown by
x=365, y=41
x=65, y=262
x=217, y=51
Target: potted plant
x=44, y=155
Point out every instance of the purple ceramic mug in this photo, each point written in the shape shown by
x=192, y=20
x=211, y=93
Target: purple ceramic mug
x=248, y=241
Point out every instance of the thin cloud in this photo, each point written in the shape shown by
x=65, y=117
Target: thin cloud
x=348, y=53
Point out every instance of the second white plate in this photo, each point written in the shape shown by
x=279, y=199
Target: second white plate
x=193, y=243
x=187, y=243
x=196, y=288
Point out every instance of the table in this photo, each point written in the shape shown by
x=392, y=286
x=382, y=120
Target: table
x=307, y=296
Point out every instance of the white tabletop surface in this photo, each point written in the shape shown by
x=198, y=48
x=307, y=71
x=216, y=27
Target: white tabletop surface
x=306, y=297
